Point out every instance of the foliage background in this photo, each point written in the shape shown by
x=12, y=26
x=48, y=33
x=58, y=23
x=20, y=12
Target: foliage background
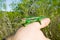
x=10, y=21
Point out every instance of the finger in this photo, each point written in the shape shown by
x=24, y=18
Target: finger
x=45, y=22
x=37, y=25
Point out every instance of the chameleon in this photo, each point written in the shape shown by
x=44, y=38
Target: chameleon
x=29, y=20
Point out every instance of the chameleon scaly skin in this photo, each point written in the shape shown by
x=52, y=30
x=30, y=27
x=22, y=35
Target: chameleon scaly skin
x=33, y=19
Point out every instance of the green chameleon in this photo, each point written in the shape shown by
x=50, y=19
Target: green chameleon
x=26, y=21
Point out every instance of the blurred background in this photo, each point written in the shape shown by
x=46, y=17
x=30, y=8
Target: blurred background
x=12, y=11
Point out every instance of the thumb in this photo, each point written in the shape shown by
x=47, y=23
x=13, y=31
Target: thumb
x=37, y=25
x=44, y=22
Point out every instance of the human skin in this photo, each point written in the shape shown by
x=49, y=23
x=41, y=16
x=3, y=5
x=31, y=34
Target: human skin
x=32, y=31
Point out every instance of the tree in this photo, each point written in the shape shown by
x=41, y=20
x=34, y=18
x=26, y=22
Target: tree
x=2, y=4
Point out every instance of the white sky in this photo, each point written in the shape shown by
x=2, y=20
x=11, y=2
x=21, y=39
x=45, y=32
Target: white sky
x=8, y=8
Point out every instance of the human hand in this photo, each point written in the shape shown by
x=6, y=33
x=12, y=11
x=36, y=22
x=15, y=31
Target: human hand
x=32, y=31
